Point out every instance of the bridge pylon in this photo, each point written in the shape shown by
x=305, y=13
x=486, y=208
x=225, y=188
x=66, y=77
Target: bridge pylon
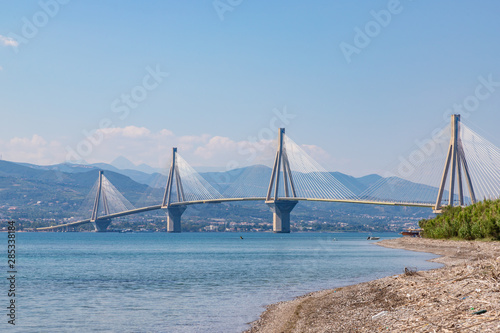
x=281, y=207
x=455, y=162
x=174, y=211
x=100, y=225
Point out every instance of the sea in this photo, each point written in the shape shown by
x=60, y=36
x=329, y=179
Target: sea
x=187, y=282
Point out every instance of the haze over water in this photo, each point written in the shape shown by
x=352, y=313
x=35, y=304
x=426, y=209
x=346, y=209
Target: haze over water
x=189, y=282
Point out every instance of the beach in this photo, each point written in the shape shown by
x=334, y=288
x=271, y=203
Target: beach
x=462, y=296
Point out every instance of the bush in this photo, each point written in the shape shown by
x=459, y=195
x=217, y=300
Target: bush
x=478, y=221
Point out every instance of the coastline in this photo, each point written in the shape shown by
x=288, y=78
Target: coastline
x=441, y=300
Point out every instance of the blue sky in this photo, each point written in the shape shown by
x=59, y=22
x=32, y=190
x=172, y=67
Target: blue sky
x=228, y=78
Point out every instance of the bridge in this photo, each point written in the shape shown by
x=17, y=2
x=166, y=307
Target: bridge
x=432, y=176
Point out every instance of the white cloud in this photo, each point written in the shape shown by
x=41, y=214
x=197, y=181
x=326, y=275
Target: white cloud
x=215, y=146
x=32, y=150
x=128, y=132
x=316, y=152
x=140, y=145
x=1, y=68
x=8, y=41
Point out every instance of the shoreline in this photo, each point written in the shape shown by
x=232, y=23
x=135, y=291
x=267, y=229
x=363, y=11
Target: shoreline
x=440, y=300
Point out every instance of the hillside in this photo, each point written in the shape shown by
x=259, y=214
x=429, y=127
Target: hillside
x=478, y=221
x=51, y=194
x=27, y=192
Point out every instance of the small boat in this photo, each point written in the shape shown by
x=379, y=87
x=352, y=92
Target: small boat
x=373, y=238
x=412, y=232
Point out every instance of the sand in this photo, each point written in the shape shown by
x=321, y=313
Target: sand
x=439, y=300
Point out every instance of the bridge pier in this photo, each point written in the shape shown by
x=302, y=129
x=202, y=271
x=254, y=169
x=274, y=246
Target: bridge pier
x=174, y=214
x=281, y=214
x=101, y=225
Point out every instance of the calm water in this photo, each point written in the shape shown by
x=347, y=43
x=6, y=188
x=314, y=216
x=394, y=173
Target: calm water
x=189, y=282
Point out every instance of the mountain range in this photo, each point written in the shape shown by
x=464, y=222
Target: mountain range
x=152, y=177
x=58, y=191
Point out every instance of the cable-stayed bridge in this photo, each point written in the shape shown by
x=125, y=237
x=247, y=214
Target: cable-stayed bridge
x=457, y=167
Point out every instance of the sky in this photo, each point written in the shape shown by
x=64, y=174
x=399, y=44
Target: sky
x=355, y=83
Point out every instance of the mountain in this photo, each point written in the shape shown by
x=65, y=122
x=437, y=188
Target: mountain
x=147, y=169
x=37, y=192
x=123, y=163
x=369, y=180
x=256, y=177
x=151, y=179
x=354, y=184
x=253, y=180
x=42, y=193
x=63, y=167
x=104, y=167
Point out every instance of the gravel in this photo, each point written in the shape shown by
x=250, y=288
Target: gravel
x=448, y=299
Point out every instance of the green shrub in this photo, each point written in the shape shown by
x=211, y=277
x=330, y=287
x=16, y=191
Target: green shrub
x=478, y=221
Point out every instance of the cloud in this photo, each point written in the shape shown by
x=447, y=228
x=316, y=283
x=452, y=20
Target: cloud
x=8, y=41
x=316, y=152
x=35, y=150
x=141, y=145
x=1, y=68
x=128, y=132
x=215, y=146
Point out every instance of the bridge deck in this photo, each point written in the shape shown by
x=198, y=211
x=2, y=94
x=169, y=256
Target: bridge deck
x=215, y=201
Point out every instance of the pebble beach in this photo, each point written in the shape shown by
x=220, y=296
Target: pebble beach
x=462, y=296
